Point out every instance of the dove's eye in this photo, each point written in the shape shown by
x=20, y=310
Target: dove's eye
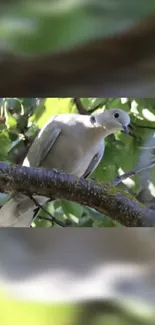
x=116, y=115
x=93, y=119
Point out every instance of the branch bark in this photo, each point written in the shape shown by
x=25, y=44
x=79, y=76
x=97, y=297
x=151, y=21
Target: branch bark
x=81, y=109
x=79, y=106
x=107, y=199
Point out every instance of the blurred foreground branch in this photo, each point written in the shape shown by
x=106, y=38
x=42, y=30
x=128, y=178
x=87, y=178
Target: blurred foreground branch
x=107, y=199
x=94, y=67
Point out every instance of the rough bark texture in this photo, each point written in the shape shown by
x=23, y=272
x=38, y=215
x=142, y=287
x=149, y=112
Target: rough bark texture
x=105, y=198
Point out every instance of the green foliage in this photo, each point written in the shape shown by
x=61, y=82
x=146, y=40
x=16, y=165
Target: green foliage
x=21, y=118
x=33, y=313
x=51, y=25
x=22, y=312
x=52, y=106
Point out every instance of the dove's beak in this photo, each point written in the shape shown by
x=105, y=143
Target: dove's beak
x=125, y=129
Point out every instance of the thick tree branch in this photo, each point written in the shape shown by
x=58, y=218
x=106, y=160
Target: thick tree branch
x=94, y=67
x=105, y=198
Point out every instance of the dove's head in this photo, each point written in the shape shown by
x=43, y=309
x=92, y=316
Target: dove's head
x=113, y=120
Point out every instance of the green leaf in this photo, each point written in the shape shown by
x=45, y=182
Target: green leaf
x=11, y=121
x=72, y=210
x=50, y=107
x=37, y=27
x=5, y=145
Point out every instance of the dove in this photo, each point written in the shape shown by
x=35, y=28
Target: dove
x=71, y=143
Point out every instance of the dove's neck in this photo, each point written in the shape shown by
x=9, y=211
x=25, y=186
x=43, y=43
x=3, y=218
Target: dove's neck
x=104, y=126
x=102, y=131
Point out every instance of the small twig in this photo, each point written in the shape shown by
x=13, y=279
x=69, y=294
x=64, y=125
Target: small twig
x=80, y=106
x=131, y=126
x=131, y=130
x=134, y=136
x=143, y=126
x=67, y=224
x=92, y=110
x=132, y=172
x=100, y=105
x=45, y=218
x=52, y=219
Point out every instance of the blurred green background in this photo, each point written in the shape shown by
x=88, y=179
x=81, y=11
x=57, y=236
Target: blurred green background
x=51, y=25
x=21, y=118
x=93, y=313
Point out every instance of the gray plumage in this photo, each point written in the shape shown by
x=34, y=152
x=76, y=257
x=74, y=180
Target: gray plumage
x=71, y=143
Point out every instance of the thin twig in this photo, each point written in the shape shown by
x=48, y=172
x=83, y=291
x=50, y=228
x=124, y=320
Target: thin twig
x=80, y=106
x=132, y=172
x=45, y=218
x=67, y=224
x=143, y=126
x=100, y=105
x=134, y=136
x=52, y=219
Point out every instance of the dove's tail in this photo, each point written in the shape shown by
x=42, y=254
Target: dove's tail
x=17, y=213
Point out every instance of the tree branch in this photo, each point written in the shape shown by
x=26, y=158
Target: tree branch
x=132, y=172
x=80, y=106
x=107, y=199
x=143, y=126
x=50, y=217
x=93, y=67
